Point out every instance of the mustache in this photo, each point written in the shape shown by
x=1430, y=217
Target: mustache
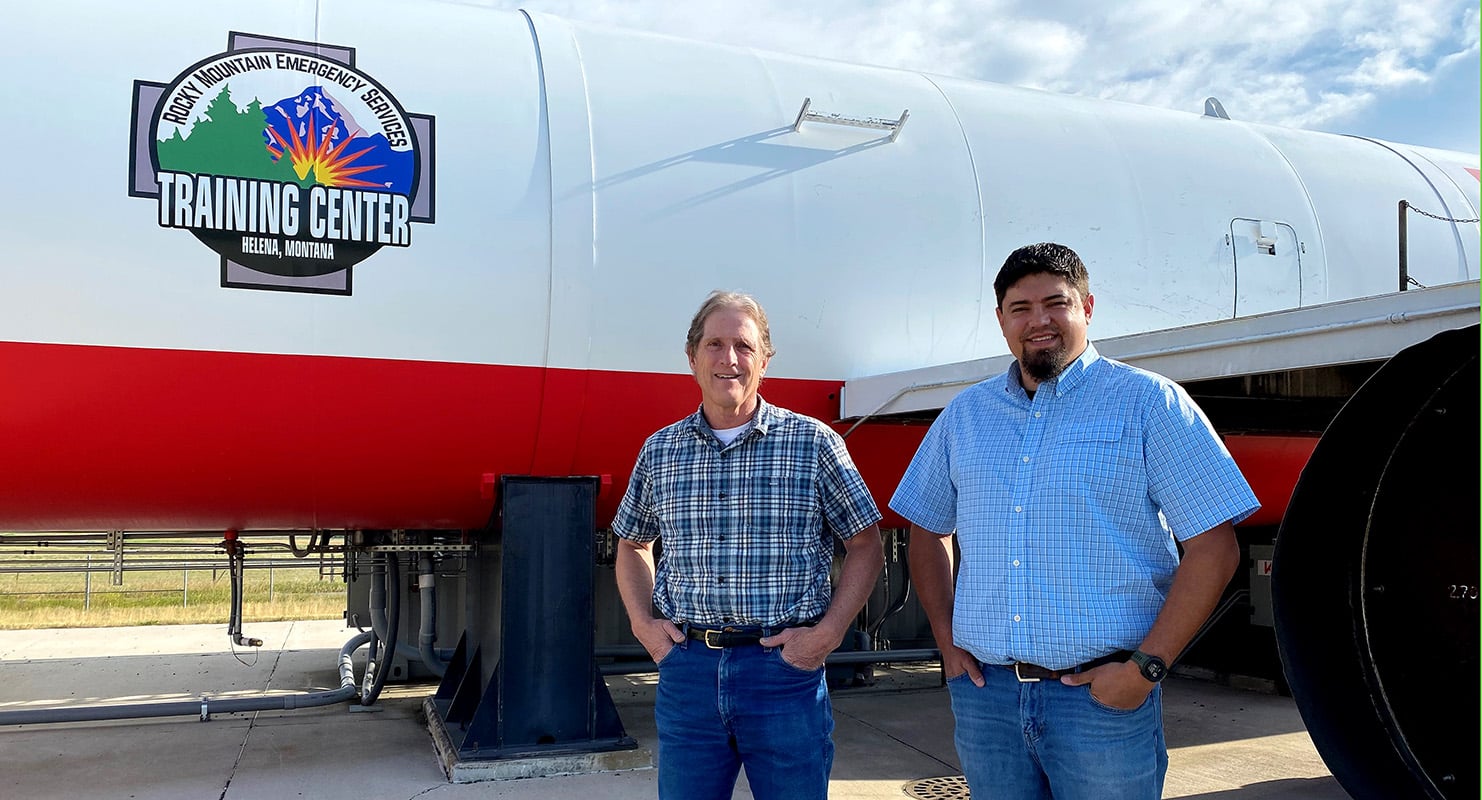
x=1051, y=330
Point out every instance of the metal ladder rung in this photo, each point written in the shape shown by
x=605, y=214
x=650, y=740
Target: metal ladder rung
x=875, y=123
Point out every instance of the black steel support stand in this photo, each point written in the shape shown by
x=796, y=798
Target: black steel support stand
x=522, y=682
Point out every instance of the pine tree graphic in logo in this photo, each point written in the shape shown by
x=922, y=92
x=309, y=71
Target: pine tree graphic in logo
x=286, y=160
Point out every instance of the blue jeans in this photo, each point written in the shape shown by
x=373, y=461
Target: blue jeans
x=1036, y=741
x=719, y=710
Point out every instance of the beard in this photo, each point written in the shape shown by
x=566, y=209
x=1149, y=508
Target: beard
x=1042, y=365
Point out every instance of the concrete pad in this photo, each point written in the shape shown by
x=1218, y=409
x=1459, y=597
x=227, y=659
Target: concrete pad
x=894, y=728
x=533, y=766
x=1223, y=739
x=1225, y=743
x=148, y=759
x=329, y=754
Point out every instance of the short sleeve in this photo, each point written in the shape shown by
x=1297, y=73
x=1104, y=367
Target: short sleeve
x=1191, y=476
x=846, y=503
x=636, y=520
x=926, y=495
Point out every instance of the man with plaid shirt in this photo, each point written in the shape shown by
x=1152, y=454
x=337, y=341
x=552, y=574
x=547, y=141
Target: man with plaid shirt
x=748, y=499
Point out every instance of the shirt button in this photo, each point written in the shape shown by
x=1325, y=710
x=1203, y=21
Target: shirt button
x=1037, y=415
x=1016, y=617
x=722, y=495
x=720, y=580
x=721, y=537
x=1016, y=562
x=1026, y=459
x=1018, y=509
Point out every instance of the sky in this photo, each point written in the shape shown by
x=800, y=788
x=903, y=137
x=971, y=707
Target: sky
x=1405, y=72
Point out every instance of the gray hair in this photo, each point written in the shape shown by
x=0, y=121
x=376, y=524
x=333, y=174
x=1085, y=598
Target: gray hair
x=744, y=303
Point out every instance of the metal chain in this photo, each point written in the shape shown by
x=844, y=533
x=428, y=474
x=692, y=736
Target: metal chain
x=1439, y=217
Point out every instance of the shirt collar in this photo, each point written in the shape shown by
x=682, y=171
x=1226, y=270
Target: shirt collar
x=1075, y=372
x=765, y=416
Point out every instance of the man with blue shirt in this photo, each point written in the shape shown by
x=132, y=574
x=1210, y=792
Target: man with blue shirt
x=1067, y=481
x=748, y=499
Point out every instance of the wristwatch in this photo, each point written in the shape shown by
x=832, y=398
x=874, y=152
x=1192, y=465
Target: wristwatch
x=1152, y=667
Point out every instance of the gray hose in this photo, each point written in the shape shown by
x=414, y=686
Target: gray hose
x=439, y=662
x=427, y=586
x=204, y=707
x=378, y=667
x=235, y=556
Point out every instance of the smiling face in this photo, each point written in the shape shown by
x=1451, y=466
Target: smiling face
x=1044, y=321
x=728, y=362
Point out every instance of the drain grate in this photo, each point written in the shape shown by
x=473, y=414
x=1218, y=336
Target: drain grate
x=950, y=787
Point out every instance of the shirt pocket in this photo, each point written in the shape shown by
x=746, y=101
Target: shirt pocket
x=783, y=503
x=1099, y=458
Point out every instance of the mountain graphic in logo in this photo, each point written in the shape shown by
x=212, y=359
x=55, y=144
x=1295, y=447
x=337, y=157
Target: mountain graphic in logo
x=318, y=135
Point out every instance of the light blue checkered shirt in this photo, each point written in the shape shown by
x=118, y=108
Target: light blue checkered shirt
x=1063, y=506
x=748, y=528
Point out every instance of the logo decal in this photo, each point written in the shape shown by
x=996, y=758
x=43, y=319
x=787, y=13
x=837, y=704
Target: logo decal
x=285, y=159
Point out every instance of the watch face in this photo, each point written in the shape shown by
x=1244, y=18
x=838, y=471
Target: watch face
x=1151, y=667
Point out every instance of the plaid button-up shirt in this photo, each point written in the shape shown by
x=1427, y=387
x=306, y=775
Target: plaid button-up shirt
x=748, y=528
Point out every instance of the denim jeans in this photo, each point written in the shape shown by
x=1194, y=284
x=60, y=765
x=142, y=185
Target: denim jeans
x=719, y=710
x=1036, y=741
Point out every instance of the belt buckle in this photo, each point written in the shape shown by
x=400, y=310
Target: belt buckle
x=1020, y=676
x=710, y=644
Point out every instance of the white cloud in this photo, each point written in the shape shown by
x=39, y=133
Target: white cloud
x=1306, y=63
x=1472, y=27
x=1385, y=70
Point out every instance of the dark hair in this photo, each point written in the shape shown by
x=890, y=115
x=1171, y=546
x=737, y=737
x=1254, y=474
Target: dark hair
x=744, y=303
x=1045, y=257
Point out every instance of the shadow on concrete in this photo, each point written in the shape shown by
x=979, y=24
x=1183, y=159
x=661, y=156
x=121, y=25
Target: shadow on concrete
x=1197, y=712
x=1324, y=788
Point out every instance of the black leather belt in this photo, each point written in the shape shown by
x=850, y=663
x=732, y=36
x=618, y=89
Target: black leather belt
x=718, y=638
x=1029, y=673
x=731, y=636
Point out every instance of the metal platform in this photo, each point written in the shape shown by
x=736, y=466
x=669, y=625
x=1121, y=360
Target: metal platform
x=1346, y=332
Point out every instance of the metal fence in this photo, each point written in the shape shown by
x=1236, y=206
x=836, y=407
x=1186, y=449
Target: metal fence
x=29, y=557
x=217, y=573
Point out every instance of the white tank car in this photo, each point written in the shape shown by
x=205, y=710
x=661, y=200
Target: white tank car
x=292, y=265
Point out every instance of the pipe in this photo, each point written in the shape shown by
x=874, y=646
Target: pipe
x=204, y=707
x=427, y=586
x=235, y=554
x=377, y=669
x=1237, y=597
x=134, y=535
x=377, y=604
x=79, y=566
x=628, y=651
x=900, y=604
x=314, y=544
x=377, y=599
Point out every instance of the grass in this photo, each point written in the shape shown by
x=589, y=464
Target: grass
x=169, y=597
